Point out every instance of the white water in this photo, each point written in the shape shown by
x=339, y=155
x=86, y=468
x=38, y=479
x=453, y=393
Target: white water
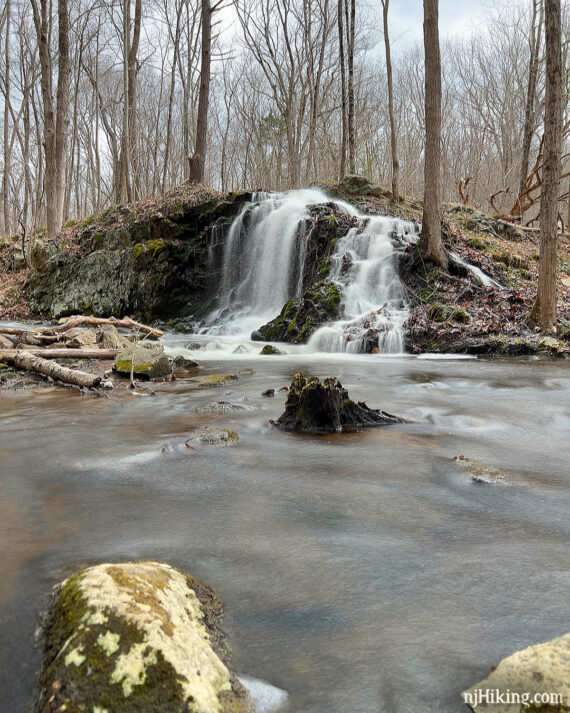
x=375, y=300
x=264, y=257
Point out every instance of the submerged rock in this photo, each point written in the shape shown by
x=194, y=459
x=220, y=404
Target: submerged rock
x=136, y=637
x=181, y=362
x=146, y=360
x=214, y=380
x=215, y=437
x=299, y=319
x=224, y=406
x=480, y=472
x=270, y=349
x=313, y=405
x=531, y=675
x=268, y=392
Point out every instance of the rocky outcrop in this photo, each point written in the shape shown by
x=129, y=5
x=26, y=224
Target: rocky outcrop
x=144, y=360
x=132, y=637
x=313, y=405
x=299, y=319
x=154, y=266
x=527, y=680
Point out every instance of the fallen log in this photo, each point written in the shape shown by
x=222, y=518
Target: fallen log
x=126, y=322
x=27, y=361
x=10, y=354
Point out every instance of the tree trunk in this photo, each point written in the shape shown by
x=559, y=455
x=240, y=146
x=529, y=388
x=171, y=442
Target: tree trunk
x=350, y=29
x=430, y=242
x=132, y=103
x=123, y=184
x=529, y=118
x=543, y=312
x=340, y=10
x=7, y=151
x=198, y=161
x=393, y=137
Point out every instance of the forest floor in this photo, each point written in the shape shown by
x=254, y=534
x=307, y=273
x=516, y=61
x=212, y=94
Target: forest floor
x=451, y=311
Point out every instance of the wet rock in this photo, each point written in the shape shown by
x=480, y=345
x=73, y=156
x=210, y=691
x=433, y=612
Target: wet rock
x=313, y=405
x=299, y=319
x=270, y=349
x=548, y=344
x=214, y=380
x=215, y=437
x=181, y=362
x=246, y=371
x=268, y=392
x=536, y=670
x=480, y=472
x=224, y=406
x=240, y=349
x=147, y=361
x=137, y=636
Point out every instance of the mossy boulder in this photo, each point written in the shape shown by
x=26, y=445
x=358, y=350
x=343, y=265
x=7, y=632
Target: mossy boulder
x=270, y=349
x=139, y=636
x=313, y=405
x=145, y=361
x=299, y=319
x=210, y=380
x=530, y=674
x=442, y=313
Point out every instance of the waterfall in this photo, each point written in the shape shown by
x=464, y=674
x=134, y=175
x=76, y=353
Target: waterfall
x=365, y=265
x=263, y=267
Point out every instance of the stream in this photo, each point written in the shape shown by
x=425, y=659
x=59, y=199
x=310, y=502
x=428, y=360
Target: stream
x=361, y=572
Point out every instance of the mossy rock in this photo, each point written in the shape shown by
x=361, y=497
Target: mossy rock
x=299, y=319
x=214, y=380
x=511, y=260
x=146, y=361
x=529, y=674
x=134, y=637
x=442, y=313
x=270, y=349
x=215, y=437
x=477, y=243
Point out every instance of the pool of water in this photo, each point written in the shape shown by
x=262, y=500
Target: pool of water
x=362, y=572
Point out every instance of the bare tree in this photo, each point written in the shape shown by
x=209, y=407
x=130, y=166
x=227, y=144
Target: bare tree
x=55, y=114
x=543, y=312
x=430, y=242
x=393, y=136
x=198, y=160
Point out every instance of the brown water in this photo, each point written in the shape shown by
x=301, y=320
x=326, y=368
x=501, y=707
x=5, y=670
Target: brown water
x=361, y=572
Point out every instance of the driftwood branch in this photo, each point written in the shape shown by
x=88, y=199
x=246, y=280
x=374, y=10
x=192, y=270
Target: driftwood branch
x=126, y=322
x=10, y=354
x=27, y=361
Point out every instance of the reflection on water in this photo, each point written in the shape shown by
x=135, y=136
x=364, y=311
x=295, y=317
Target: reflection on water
x=361, y=572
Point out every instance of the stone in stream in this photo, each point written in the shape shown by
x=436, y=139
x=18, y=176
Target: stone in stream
x=313, y=405
x=147, y=361
x=108, y=337
x=138, y=636
x=214, y=437
x=270, y=349
x=181, y=362
x=268, y=392
x=530, y=675
x=209, y=380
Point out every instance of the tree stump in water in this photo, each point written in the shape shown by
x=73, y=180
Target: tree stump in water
x=313, y=405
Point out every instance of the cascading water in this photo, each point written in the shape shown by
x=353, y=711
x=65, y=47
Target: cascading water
x=263, y=265
x=365, y=265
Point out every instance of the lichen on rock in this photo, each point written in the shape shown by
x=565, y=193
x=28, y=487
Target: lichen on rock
x=534, y=671
x=145, y=360
x=137, y=636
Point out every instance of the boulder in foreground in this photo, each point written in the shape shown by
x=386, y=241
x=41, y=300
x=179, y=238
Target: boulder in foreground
x=136, y=637
x=529, y=676
x=313, y=405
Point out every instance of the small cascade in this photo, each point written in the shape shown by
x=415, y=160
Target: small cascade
x=365, y=265
x=263, y=266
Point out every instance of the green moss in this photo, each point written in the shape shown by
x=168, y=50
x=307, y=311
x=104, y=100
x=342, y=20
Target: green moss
x=88, y=221
x=70, y=224
x=150, y=247
x=477, y=243
x=510, y=260
x=442, y=313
